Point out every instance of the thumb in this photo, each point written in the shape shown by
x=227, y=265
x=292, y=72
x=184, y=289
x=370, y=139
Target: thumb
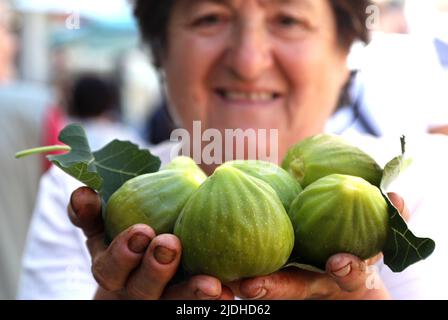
x=349, y=272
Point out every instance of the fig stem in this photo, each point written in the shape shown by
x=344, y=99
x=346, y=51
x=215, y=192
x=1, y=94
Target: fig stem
x=38, y=150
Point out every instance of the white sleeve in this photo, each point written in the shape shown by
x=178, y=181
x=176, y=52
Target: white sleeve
x=56, y=263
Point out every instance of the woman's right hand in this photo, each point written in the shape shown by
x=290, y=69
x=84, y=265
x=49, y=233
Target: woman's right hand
x=138, y=264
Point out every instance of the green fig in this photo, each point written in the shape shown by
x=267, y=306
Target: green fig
x=339, y=214
x=182, y=162
x=286, y=187
x=325, y=154
x=234, y=226
x=155, y=199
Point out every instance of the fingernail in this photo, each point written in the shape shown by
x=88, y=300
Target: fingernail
x=164, y=255
x=72, y=203
x=88, y=203
x=260, y=293
x=138, y=243
x=203, y=296
x=343, y=272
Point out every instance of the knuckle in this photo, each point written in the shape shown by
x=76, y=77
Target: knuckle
x=102, y=276
x=135, y=292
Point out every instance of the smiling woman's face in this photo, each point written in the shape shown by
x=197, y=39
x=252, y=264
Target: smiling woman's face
x=261, y=64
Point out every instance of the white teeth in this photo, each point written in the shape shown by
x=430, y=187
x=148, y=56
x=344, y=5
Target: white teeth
x=251, y=96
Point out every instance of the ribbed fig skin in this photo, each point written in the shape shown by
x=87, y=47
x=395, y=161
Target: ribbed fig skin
x=155, y=199
x=325, y=154
x=286, y=187
x=234, y=226
x=339, y=214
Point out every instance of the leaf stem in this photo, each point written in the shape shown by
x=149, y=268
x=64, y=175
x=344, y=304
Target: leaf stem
x=403, y=144
x=38, y=150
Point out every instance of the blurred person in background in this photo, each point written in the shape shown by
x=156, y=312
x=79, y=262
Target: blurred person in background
x=22, y=106
x=93, y=100
x=249, y=64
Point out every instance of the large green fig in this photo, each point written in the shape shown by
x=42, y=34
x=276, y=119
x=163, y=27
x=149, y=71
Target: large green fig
x=155, y=199
x=339, y=214
x=234, y=226
x=286, y=187
x=325, y=154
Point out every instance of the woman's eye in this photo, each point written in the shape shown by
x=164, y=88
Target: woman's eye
x=208, y=20
x=289, y=26
x=289, y=21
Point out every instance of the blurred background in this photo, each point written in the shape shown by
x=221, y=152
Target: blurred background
x=77, y=60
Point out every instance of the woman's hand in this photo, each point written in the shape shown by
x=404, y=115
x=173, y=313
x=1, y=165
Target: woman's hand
x=138, y=264
x=346, y=277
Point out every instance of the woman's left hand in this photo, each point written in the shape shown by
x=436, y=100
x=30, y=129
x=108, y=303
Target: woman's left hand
x=346, y=277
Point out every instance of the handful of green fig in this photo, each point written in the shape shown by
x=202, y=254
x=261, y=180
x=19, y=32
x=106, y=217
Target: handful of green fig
x=233, y=224
x=250, y=218
x=343, y=207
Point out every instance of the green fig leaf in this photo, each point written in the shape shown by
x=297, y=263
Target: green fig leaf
x=402, y=247
x=79, y=162
x=120, y=161
x=106, y=169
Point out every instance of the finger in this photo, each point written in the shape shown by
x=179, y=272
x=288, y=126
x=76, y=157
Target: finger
x=158, y=266
x=287, y=284
x=112, y=267
x=227, y=294
x=348, y=271
x=84, y=211
x=200, y=287
x=398, y=203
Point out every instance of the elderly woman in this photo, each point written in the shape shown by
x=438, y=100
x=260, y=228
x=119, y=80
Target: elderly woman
x=262, y=64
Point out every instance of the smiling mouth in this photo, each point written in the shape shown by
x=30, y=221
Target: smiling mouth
x=248, y=96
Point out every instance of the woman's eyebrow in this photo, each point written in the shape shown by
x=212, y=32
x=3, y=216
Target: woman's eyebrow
x=191, y=4
x=305, y=3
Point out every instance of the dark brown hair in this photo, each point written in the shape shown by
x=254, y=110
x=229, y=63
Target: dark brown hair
x=153, y=16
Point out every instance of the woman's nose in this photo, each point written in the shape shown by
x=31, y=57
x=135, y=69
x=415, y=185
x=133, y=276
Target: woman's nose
x=249, y=54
